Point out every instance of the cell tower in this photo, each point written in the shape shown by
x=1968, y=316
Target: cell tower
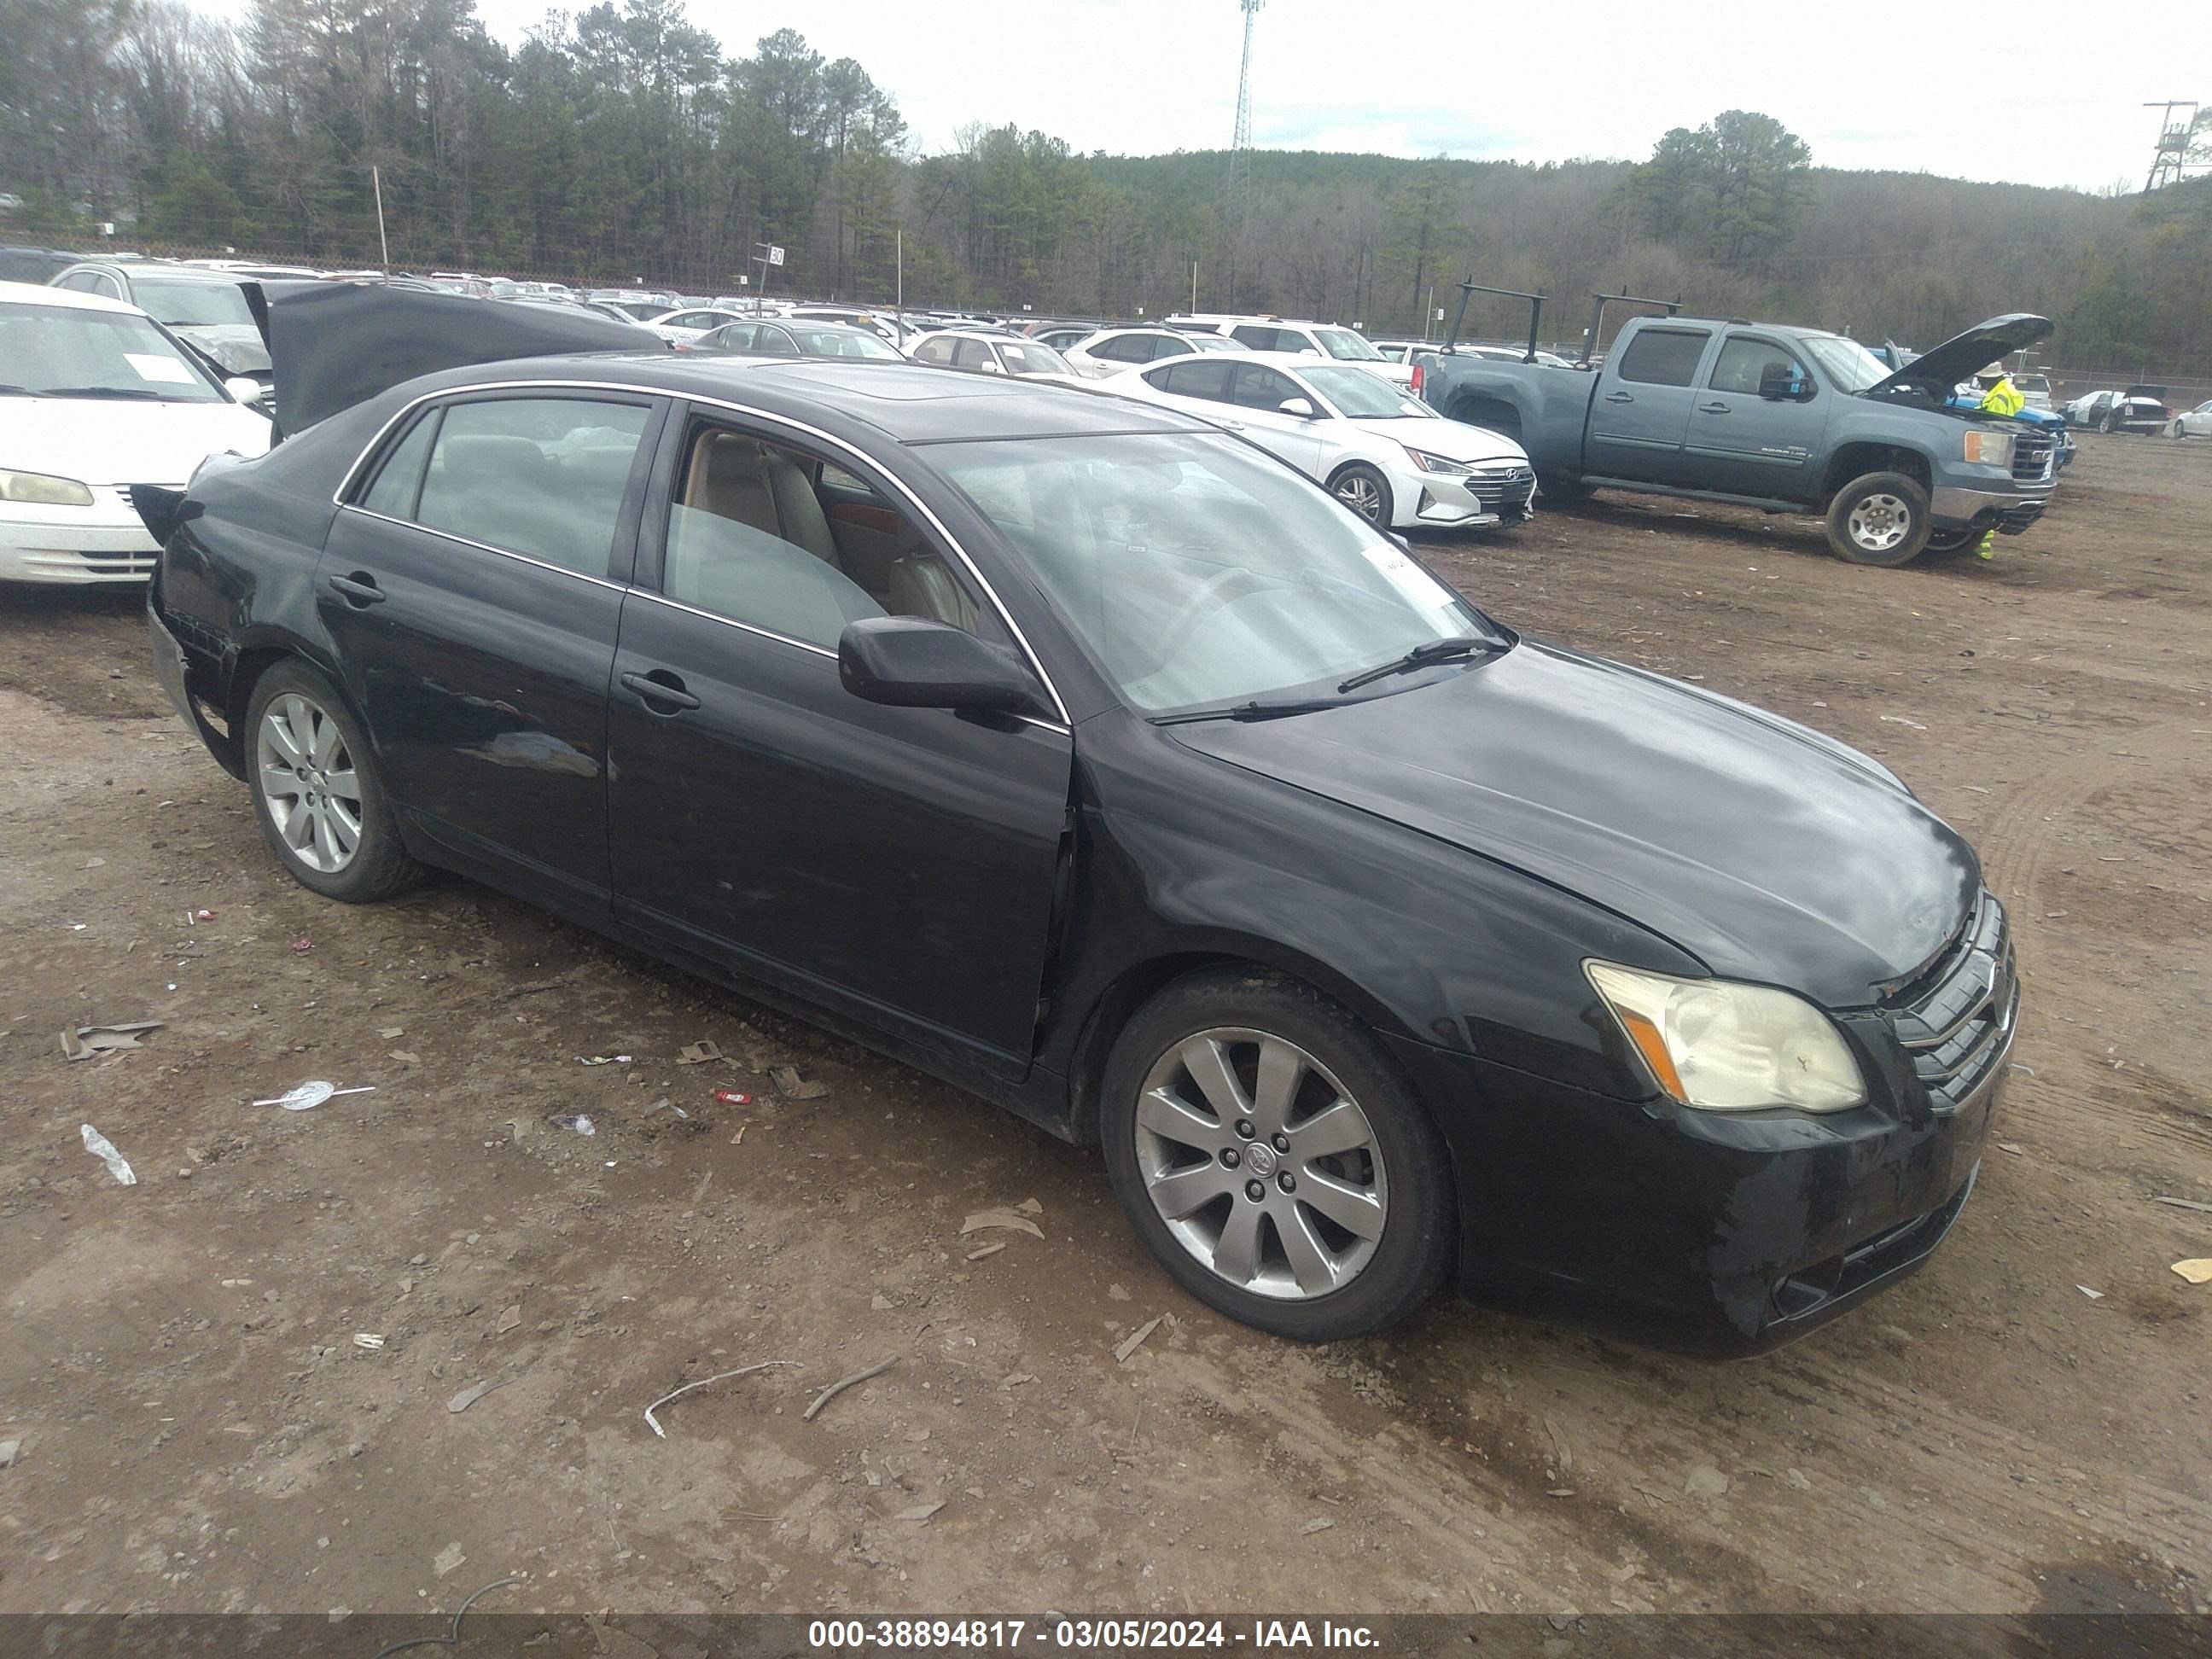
x=2170, y=162
x=1233, y=191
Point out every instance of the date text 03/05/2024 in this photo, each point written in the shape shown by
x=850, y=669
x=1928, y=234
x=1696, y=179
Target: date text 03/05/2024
x=1262, y=1635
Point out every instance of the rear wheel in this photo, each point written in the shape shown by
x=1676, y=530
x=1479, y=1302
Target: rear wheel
x=1365, y=491
x=1881, y=518
x=315, y=790
x=1275, y=1159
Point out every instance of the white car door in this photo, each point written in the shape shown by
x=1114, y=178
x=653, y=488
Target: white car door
x=1256, y=394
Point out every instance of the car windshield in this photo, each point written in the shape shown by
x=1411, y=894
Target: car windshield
x=1850, y=365
x=1033, y=358
x=190, y=304
x=1345, y=346
x=1200, y=571
x=841, y=342
x=63, y=351
x=1364, y=395
x=1214, y=342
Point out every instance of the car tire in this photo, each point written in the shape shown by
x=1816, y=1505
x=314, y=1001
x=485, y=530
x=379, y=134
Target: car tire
x=1951, y=541
x=1365, y=491
x=1282, y=1263
x=315, y=789
x=1880, y=519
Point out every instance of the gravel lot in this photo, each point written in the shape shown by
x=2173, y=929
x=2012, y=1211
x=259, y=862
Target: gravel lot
x=201, y=1432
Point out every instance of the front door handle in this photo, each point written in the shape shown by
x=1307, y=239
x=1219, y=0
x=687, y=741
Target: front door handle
x=359, y=589
x=660, y=686
x=1620, y=397
x=1714, y=409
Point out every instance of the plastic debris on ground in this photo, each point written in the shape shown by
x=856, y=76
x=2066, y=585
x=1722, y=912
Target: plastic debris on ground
x=371, y=1339
x=573, y=1120
x=2094, y=1295
x=653, y=1423
x=300, y=947
x=2197, y=1270
x=1006, y=1218
x=86, y=1040
x=733, y=1098
x=10, y=1451
x=1135, y=1340
x=104, y=1149
x=792, y=1086
x=698, y=1053
x=306, y=1096
x=469, y=1396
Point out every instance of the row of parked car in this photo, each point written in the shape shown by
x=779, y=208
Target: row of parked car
x=181, y=344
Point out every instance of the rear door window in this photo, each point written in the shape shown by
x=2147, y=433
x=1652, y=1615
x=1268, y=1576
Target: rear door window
x=545, y=477
x=1200, y=377
x=1662, y=356
x=397, y=485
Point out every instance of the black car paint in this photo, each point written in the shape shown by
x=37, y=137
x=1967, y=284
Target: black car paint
x=1442, y=858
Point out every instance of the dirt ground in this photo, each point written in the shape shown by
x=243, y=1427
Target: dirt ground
x=2021, y=1426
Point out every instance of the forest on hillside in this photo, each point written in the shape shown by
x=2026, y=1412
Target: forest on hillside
x=622, y=144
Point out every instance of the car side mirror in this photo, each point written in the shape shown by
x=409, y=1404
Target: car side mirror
x=917, y=662
x=242, y=389
x=1300, y=407
x=1783, y=383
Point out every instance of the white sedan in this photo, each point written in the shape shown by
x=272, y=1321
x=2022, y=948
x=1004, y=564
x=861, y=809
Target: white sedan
x=1388, y=456
x=95, y=397
x=981, y=352
x=2192, y=422
x=685, y=327
x=1118, y=350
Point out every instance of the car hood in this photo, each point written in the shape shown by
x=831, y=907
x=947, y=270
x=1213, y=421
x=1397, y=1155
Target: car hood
x=1766, y=850
x=1455, y=440
x=1964, y=356
x=236, y=346
x=102, y=442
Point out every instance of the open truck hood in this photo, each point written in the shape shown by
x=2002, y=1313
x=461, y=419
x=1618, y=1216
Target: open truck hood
x=1964, y=356
x=336, y=344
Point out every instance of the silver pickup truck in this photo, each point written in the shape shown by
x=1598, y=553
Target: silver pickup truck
x=1790, y=420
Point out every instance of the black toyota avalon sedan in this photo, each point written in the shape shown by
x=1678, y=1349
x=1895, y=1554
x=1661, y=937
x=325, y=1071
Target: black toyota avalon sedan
x=1073, y=750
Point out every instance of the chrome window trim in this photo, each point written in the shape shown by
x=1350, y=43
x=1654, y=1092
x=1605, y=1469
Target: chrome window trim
x=709, y=400
x=484, y=547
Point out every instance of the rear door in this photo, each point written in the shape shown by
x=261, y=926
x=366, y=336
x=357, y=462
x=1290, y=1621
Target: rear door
x=1640, y=416
x=1758, y=421
x=471, y=587
x=894, y=865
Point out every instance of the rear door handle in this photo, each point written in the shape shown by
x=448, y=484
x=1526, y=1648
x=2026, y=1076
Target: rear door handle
x=1714, y=409
x=1620, y=397
x=359, y=589
x=660, y=686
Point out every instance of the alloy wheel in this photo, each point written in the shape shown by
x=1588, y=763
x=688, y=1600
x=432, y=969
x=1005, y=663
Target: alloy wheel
x=309, y=783
x=1362, y=494
x=1262, y=1165
x=1879, y=522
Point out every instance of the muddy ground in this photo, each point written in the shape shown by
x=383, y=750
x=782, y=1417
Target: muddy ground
x=200, y=1431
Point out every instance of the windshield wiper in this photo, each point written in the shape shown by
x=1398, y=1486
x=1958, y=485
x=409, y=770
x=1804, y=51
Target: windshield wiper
x=1443, y=650
x=98, y=391
x=1254, y=710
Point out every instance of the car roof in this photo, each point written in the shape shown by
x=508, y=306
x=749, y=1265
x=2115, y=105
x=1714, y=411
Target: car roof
x=139, y=269
x=37, y=294
x=908, y=403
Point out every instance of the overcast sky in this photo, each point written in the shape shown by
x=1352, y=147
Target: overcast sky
x=2046, y=92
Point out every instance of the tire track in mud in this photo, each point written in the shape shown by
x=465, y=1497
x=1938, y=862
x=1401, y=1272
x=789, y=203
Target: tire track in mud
x=2018, y=840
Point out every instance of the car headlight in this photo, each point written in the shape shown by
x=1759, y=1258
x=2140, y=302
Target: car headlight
x=1723, y=1047
x=42, y=489
x=1441, y=464
x=1988, y=448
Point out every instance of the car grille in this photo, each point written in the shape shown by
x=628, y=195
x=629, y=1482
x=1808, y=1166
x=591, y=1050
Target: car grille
x=1956, y=1017
x=1503, y=489
x=2033, y=455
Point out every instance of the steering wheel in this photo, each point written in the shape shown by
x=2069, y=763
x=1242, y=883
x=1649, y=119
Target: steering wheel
x=1213, y=594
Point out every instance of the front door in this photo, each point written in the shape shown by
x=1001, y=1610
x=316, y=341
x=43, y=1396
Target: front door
x=1758, y=420
x=1641, y=413
x=896, y=864
x=1259, y=393
x=469, y=589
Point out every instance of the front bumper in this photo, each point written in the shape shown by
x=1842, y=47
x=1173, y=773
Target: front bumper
x=1700, y=1233
x=1485, y=497
x=2009, y=511
x=76, y=545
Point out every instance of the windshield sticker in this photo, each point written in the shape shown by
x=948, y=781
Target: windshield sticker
x=167, y=370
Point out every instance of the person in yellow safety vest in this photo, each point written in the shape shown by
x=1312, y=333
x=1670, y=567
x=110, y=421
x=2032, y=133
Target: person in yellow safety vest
x=2003, y=397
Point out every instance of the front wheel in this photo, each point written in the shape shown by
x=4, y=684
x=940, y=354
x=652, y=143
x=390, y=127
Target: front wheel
x=316, y=793
x=1275, y=1159
x=1365, y=491
x=1881, y=519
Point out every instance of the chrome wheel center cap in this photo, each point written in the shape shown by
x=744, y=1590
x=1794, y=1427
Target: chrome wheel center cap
x=1259, y=1158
